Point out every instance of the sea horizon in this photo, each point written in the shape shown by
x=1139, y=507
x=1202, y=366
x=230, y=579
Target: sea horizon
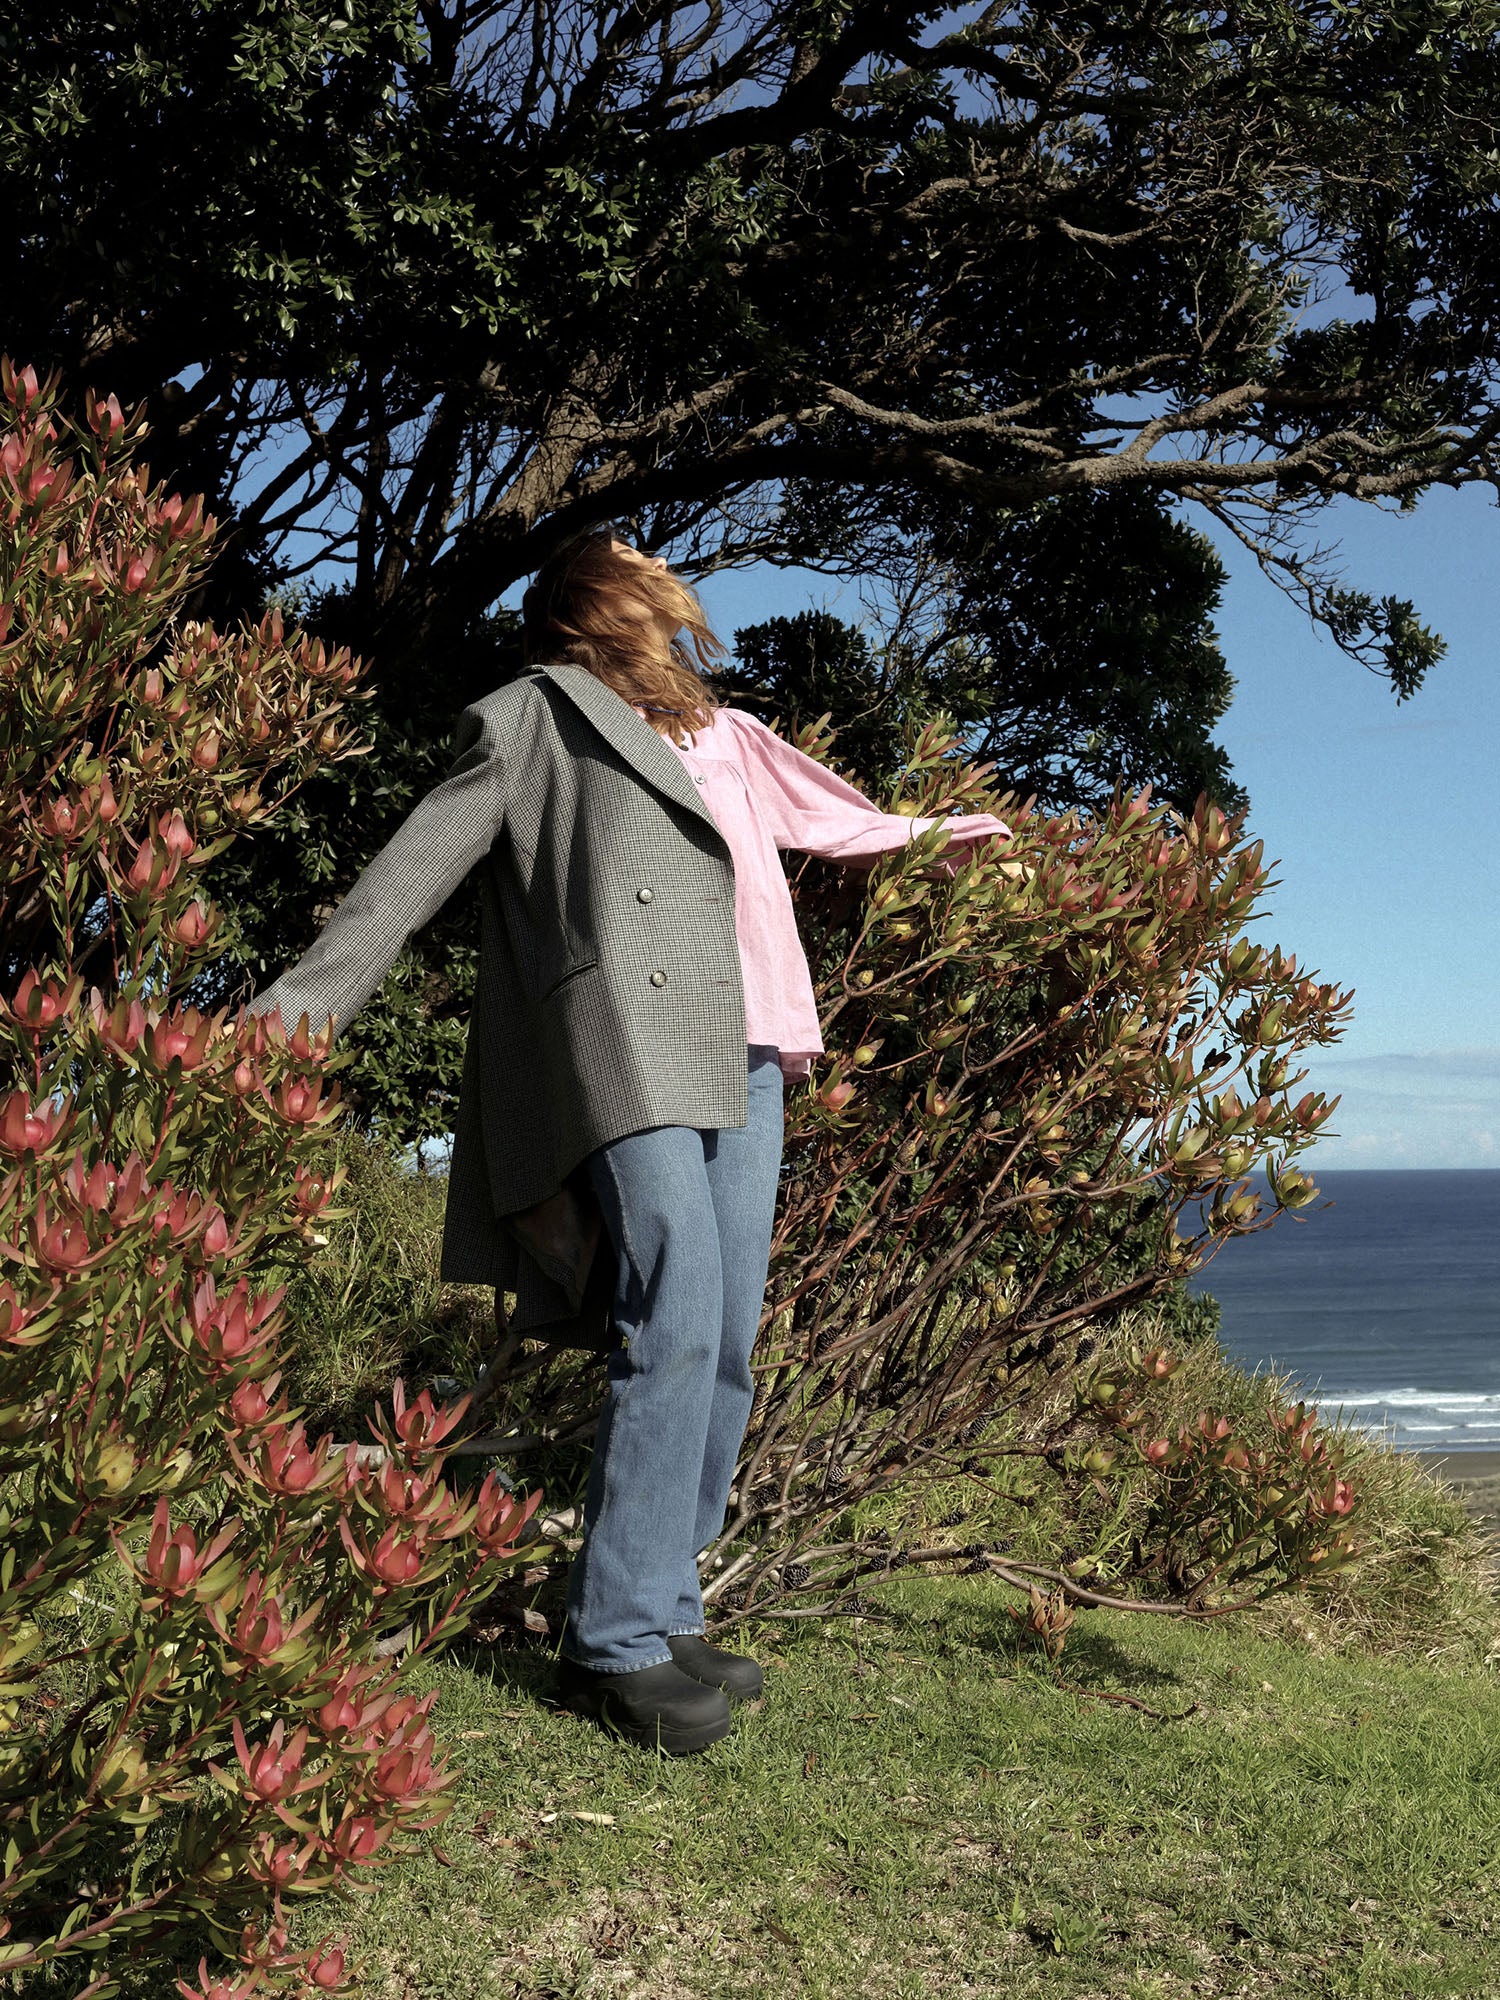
x=1381, y=1301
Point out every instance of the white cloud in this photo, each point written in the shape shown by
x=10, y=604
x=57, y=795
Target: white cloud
x=1441, y=1109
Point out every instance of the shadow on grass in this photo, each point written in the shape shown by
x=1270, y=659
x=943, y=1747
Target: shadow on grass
x=1092, y=1657
x=511, y=1664
x=981, y=1624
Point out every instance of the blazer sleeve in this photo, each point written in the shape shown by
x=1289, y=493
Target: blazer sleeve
x=810, y=808
x=408, y=881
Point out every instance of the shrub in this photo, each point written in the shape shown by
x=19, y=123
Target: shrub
x=1417, y=1580
x=1053, y=1069
x=197, y=1714
x=369, y=1305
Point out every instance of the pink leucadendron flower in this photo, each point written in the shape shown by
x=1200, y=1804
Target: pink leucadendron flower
x=273, y=1769
x=261, y=1629
x=175, y=1566
x=499, y=1516
x=325, y=1970
x=420, y=1426
x=1337, y=1497
x=288, y=1464
x=27, y=1128
x=240, y=1987
x=359, y=1839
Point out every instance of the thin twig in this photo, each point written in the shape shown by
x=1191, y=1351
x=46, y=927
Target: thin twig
x=1128, y=1701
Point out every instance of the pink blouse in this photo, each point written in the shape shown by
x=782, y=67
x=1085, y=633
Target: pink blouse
x=764, y=794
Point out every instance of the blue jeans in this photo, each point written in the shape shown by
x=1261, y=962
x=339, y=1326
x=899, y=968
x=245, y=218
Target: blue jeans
x=690, y=1214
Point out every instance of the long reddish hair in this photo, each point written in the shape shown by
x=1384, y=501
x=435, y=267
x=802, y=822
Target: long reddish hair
x=571, y=611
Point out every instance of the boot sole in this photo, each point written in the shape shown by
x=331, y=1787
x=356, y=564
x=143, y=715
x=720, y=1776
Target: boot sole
x=672, y=1742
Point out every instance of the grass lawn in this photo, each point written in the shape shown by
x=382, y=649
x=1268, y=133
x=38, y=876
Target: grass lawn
x=920, y=1809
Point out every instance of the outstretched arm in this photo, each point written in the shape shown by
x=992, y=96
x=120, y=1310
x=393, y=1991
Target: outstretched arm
x=408, y=881
x=812, y=809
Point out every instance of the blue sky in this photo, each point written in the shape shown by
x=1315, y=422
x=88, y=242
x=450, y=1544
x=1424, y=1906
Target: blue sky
x=1381, y=818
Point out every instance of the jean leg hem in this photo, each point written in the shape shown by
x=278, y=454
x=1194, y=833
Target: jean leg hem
x=610, y=1667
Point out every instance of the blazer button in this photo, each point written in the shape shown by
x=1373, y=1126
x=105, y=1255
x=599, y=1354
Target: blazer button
x=658, y=978
x=643, y=895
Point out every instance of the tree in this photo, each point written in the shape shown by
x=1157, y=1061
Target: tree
x=415, y=288
x=1073, y=644
x=432, y=283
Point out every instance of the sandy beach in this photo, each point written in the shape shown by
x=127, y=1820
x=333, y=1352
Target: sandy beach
x=1462, y=1468
x=1475, y=1479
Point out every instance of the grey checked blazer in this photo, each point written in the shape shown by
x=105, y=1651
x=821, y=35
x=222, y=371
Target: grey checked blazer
x=609, y=995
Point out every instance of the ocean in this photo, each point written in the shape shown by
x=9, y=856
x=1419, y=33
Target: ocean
x=1385, y=1303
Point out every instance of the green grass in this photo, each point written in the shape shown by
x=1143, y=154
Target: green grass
x=921, y=1809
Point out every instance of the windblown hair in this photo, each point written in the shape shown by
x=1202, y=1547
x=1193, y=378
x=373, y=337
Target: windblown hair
x=571, y=612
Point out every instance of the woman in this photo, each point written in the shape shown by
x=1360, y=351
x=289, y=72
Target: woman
x=642, y=996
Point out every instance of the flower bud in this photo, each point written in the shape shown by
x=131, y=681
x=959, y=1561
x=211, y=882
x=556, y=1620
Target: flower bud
x=24, y=1129
x=191, y=928
x=326, y=1971
x=359, y=1839
x=248, y=1405
x=176, y=1469
x=113, y=1465
x=123, y=1770
x=106, y=417
x=58, y=819
x=175, y=835
x=1159, y=1364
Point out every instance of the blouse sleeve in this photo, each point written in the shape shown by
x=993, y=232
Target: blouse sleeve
x=808, y=807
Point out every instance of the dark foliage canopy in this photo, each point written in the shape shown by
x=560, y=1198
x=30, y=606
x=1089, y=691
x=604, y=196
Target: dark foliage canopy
x=1074, y=646
x=424, y=285
x=999, y=299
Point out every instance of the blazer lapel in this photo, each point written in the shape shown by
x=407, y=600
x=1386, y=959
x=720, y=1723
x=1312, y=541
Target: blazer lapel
x=637, y=742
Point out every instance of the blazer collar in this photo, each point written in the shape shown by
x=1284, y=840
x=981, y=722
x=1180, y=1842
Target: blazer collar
x=637, y=742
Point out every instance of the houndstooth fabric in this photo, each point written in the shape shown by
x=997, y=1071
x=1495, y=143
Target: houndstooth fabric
x=609, y=995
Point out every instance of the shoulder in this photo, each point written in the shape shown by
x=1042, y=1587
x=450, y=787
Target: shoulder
x=741, y=723
x=514, y=693
x=505, y=705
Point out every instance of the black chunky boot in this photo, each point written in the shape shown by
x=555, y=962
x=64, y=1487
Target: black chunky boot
x=739, y=1677
x=660, y=1707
